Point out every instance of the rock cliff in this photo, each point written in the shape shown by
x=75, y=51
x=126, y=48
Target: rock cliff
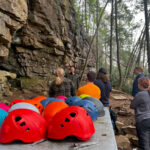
x=37, y=36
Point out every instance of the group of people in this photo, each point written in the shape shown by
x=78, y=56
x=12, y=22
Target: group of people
x=97, y=85
x=141, y=105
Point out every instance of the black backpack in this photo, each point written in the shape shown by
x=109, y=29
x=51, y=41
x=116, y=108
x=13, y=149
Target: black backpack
x=113, y=117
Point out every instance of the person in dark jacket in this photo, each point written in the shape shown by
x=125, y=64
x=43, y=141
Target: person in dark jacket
x=105, y=86
x=141, y=105
x=73, y=77
x=61, y=86
x=138, y=71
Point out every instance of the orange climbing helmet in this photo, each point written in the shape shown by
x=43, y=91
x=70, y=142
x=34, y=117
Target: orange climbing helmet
x=52, y=108
x=73, y=120
x=39, y=98
x=23, y=124
x=37, y=104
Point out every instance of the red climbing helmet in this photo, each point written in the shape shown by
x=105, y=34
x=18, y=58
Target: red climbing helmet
x=15, y=101
x=72, y=120
x=23, y=124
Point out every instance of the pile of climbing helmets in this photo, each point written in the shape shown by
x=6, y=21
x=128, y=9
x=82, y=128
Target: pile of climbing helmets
x=39, y=118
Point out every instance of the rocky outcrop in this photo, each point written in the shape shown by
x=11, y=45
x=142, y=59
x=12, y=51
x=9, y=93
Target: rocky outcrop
x=41, y=36
x=13, y=15
x=4, y=87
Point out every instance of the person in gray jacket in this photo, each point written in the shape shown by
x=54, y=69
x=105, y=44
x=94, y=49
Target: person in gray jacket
x=141, y=105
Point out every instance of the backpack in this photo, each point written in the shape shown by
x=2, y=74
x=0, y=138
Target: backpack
x=113, y=117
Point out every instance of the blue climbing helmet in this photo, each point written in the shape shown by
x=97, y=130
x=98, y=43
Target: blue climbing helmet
x=71, y=100
x=46, y=101
x=98, y=104
x=89, y=107
x=3, y=115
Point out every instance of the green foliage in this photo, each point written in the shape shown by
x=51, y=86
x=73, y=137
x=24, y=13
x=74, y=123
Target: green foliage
x=127, y=10
x=127, y=86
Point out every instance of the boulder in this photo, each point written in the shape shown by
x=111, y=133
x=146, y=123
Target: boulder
x=119, y=125
x=129, y=130
x=124, y=112
x=123, y=142
x=133, y=139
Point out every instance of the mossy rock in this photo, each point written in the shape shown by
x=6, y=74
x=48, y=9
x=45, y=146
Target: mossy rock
x=33, y=84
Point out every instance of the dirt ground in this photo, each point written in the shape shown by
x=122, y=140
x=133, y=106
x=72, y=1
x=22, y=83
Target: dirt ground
x=121, y=105
x=19, y=94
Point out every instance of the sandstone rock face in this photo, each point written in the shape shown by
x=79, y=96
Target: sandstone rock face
x=41, y=35
x=13, y=15
x=15, y=8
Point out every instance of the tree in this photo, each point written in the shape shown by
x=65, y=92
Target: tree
x=117, y=42
x=97, y=49
x=147, y=33
x=111, y=35
x=90, y=46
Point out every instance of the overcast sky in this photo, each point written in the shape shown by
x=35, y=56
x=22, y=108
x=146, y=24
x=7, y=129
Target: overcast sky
x=139, y=18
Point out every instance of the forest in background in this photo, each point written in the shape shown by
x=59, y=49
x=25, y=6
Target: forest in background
x=118, y=41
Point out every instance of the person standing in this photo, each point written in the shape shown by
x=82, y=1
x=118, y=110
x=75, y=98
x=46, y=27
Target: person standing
x=104, y=85
x=141, y=106
x=73, y=77
x=138, y=71
x=61, y=86
x=90, y=88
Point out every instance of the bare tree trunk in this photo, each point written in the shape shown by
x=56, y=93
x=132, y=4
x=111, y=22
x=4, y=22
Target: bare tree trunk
x=85, y=17
x=111, y=36
x=144, y=54
x=90, y=46
x=147, y=33
x=105, y=47
x=117, y=42
x=140, y=51
x=132, y=55
x=97, y=56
